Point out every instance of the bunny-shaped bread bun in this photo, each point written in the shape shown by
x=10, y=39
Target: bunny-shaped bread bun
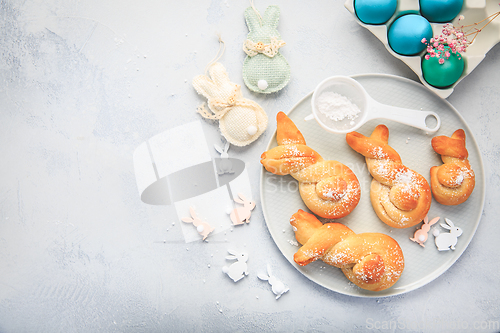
x=372, y=261
x=240, y=215
x=328, y=188
x=452, y=182
x=400, y=197
x=241, y=121
x=265, y=70
x=448, y=240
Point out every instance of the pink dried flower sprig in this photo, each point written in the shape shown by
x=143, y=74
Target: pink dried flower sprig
x=454, y=39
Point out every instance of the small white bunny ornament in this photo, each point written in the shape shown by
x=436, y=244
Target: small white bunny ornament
x=420, y=235
x=240, y=215
x=225, y=166
x=239, y=269
x=447, y=241
x=241, y=121
x=277, y=286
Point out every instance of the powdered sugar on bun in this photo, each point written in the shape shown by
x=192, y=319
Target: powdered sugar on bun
x=372, y=261
x=400, y=196
x=453, y=182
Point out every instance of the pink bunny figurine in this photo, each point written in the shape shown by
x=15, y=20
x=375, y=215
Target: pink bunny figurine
x=420, y=235
x=202, y=227
x=241, y=215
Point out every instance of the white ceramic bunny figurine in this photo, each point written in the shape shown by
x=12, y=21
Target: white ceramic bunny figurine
x=240, y=215
x=447, y=241
x=265, y=70
x=239, y=269
x=421, y=234
x=277, y=286
x=202, y=227
x=225, y=166
x=241, y=121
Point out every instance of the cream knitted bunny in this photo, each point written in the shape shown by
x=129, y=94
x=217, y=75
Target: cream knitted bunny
x=241, y=121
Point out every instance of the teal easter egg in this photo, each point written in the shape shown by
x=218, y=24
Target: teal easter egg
x=440, y=11
x=375, y=11
x=406, y=33
x=443, y=75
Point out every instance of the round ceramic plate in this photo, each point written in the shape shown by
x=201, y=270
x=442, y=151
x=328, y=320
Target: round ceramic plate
x=280, y=197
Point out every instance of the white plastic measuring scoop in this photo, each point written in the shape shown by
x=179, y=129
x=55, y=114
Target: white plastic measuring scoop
x=369, y=108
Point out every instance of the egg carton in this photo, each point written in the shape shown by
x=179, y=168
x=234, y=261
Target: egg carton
x=473, y=11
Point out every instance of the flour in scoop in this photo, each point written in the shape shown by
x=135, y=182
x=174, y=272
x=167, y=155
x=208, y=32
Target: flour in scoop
x=336, y=106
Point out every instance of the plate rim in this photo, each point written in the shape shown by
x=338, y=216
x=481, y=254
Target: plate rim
x=435, y=274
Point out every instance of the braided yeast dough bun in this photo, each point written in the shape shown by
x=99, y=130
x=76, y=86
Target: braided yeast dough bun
x=328, y=188
x=452, y=182
x=372, y=261
x=400, y=196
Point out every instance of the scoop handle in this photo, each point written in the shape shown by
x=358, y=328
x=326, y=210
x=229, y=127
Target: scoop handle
x=414, y=118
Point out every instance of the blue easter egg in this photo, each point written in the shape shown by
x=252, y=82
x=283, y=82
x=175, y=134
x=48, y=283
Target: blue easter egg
x=375, y=11
x=406, y=33
x=440, y=11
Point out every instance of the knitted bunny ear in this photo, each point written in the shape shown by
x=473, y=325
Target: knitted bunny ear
x=271, y=16
x=252, y=19
x=203, y=85
x=218, y=74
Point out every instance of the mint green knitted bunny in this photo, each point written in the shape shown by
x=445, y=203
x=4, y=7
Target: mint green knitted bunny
x=265, y=70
